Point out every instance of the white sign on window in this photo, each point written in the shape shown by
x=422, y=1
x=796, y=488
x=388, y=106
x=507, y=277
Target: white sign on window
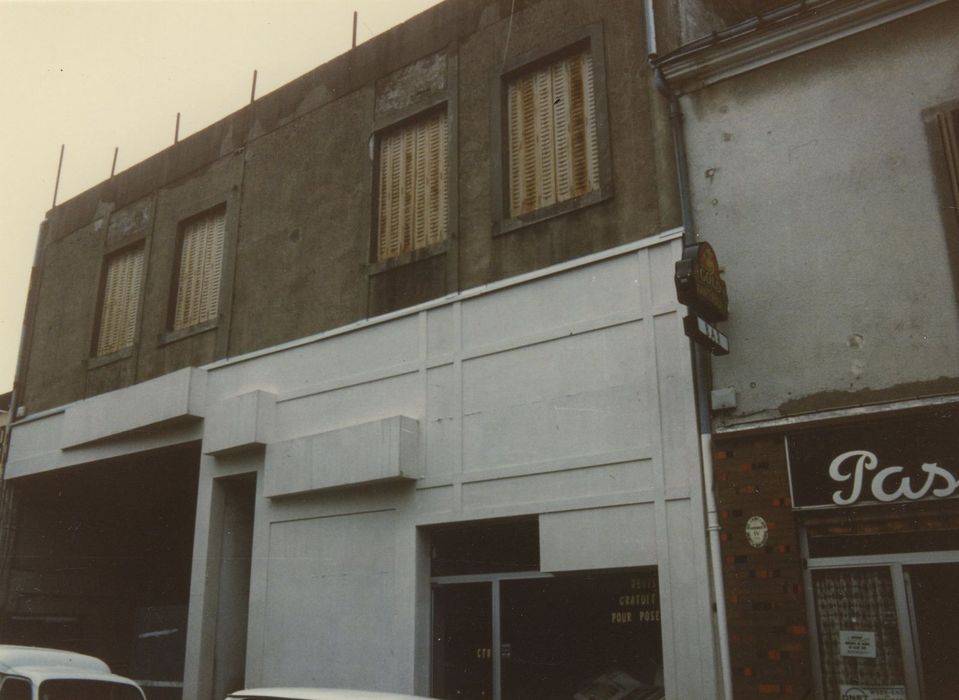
x=861, y=645
x=872, y=692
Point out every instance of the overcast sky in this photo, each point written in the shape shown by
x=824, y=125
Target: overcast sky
x=99, y=75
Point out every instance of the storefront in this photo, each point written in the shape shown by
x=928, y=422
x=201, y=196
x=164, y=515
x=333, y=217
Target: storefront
x=580, y=635
x=876, y=501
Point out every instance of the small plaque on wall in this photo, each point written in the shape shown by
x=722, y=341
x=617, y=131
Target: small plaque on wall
x=757, y=531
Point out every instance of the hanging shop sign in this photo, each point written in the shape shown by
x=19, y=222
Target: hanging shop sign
x=885, y=461
x=699, y=284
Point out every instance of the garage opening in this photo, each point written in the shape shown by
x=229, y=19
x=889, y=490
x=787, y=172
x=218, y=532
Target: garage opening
x=102, y=562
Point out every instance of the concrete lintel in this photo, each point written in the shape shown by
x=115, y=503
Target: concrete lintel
x=166, y=400
x=382, y=450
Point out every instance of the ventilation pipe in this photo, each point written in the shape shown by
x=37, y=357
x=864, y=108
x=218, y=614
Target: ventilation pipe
x=700, y=359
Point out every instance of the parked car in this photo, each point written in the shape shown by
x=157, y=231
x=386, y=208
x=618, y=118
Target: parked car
x=35, y=673
x=315, y=694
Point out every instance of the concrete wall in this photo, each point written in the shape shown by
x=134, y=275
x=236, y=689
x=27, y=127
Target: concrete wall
x=563, y=395
x=815, y=178
x=295, y=172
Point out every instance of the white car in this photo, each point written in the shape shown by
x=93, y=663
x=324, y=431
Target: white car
x=315, y=694
x=35, y=673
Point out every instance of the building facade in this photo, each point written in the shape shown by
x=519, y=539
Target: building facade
x=380, y=381
x=822, y=146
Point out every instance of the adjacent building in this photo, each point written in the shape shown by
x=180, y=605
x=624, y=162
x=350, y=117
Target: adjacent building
x=822, y=151
x=380, y=381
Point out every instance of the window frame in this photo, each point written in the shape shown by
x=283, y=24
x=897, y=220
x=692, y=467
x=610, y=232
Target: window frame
x=126, y=351
x=590, y=37
x=416, y=112
x=182, y=213
x=945, y=166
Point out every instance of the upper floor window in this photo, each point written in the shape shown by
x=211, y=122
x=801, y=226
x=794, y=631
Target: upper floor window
x=200, y=256
x=553, y=150
x=412, y=185
x=120, y=301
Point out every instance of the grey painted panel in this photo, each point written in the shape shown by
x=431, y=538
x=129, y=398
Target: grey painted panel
x=440, y=338
x=376, y=346
x=559, y=486
x=688, y=603
x=520, y=311
x=443, y=425
x=598, y=539
x=329, y=607
x=578, y=395
x=348, y=405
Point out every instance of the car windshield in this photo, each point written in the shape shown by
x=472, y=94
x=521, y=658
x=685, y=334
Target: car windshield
x=72, y=689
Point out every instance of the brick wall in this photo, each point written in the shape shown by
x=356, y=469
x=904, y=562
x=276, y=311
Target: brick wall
x=769, y=643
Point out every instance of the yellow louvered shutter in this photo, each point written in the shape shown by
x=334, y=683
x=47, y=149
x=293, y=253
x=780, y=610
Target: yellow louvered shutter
x=121, y=299
x=553, y=148
x=412, y=186
x=201, y=260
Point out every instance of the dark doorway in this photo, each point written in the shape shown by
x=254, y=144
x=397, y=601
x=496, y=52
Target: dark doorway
x=936, y=619
x=102, y=563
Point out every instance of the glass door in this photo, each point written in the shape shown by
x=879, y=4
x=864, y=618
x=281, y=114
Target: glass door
x=463, y=641
x=934, y=606
x=524, y=636
x=887, y=631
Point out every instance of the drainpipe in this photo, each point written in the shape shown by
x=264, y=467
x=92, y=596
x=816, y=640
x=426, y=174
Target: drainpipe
x=700, y=359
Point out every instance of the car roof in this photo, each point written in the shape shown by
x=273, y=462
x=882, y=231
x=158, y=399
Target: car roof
x=17, y=657
x=39, y=674
x=38, y=664
x=320, y=694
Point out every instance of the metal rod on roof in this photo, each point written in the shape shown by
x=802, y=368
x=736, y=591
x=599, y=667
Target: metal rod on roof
x=56, y=187
x=176, y=132
x=253, y=89
x=355, y=17
x=113, y=168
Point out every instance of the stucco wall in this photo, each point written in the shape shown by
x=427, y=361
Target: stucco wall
x=814, y=179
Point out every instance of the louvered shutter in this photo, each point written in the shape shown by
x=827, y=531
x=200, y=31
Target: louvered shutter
x=553, y=148
x=121, y=299
x=201, y=261
x=412, y=186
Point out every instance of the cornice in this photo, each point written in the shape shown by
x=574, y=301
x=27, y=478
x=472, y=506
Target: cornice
x=777, y=36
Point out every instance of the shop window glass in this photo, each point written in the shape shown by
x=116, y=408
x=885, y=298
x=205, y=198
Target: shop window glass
x=859, y=645
x=586, y=636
